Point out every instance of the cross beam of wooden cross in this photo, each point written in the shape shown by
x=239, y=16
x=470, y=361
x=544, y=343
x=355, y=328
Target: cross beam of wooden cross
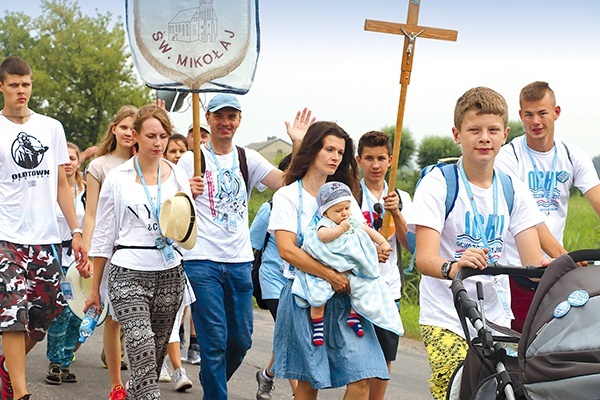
x=411, y=31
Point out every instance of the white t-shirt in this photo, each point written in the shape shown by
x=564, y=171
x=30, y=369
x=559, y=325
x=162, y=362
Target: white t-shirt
x=457, y=234
x=573, y=168
x=223, y=227
x=30, y=154
x=125, y=218
x=284, y=215
x=65, y=231
x=390, y=272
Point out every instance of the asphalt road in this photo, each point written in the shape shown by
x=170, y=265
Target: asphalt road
x=409, y=372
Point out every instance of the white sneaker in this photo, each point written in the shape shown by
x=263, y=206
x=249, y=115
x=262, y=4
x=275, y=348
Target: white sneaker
x=182, y=382
x=165, y=373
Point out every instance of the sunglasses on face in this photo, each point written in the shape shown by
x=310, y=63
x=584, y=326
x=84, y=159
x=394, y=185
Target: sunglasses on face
x=378, y=208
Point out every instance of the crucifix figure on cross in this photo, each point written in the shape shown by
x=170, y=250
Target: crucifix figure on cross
x=408, y=30
x=411, y=39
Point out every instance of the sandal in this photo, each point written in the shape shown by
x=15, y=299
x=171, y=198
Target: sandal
x=53, y=376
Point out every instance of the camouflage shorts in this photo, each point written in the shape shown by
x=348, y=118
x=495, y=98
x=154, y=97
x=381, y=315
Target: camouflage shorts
x=30, y=292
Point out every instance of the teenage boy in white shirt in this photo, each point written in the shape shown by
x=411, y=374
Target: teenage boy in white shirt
x=473, y=234
x=375, y=158
x=549, y=167
x=33, y=151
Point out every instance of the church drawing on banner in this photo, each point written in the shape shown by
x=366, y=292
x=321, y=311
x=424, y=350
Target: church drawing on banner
x=194, y=24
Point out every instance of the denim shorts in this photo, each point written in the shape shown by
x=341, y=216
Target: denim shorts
x=343, y=359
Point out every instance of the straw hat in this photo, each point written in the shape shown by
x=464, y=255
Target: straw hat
x=177, y=220
x=81, y=289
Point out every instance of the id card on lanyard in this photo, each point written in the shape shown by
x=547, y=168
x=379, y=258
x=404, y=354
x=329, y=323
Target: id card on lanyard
x=164, y=244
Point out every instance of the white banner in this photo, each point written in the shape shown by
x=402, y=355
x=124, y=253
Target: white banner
x=200, y=45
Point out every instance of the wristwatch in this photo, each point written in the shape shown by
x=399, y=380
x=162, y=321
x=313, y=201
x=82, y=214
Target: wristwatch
x=76, y=230
x=446, y=267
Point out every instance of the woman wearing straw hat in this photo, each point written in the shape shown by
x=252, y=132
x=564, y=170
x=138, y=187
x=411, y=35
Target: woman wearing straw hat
x=146, y=279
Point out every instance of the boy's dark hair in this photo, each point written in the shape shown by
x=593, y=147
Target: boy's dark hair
x=535, y=91
x=374, y=139
x=14, y=66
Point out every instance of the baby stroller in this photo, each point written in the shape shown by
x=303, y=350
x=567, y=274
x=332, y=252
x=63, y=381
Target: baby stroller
x=558, y=352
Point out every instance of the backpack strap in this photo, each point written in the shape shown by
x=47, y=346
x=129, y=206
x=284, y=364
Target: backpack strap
x=507, y=189
x=243, y=166
x=512, y=145
x=568, y=152
x=268, y=234
x=450, y=173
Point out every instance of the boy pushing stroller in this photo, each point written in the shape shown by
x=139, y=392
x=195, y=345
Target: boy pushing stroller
x=472, y=234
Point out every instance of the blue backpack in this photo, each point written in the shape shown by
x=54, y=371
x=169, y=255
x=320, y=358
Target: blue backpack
x=450, y=173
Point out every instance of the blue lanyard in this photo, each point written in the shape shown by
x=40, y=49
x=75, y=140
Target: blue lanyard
x=222, y=180
x=366, y=194
x=314, y=220
x=547, y=193
x=478, y=224
x=155, y=209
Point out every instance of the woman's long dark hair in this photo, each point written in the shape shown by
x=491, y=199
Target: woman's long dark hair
x=347, y=171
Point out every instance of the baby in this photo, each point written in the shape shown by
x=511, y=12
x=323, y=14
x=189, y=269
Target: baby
x=343, y=243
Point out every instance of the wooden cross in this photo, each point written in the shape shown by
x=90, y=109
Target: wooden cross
x=411, y=31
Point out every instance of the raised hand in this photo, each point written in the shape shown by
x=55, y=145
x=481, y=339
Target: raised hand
x=303, y=120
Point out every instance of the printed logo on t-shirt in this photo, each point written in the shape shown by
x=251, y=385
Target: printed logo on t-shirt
x=493, y=230
x=27, y=151
x=540, y=185
x=227, y=197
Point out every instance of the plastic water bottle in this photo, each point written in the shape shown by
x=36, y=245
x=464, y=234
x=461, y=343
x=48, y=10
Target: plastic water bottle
x=88, y=324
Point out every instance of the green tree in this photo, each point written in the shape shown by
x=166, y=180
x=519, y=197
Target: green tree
x=407, y=145
x=516, y=129
x=432, y=148
x=82, y=68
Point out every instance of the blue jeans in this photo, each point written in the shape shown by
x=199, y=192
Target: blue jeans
x=223, y=319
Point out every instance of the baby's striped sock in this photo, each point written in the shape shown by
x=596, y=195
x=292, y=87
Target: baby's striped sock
x=354, y=323
x=317, y=337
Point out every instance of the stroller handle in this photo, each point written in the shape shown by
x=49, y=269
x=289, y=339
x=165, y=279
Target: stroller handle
x=497, y=269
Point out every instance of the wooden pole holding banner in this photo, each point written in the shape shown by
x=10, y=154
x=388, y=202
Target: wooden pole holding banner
x=196, y=133
x=411, y=31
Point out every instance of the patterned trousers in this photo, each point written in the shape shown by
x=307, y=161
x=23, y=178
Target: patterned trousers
x=145, y=303
x=445, y=350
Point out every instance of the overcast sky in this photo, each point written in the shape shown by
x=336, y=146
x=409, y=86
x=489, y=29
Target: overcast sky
x=317, y=54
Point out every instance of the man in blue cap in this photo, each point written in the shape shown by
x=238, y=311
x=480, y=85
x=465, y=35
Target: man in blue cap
x=218, y=267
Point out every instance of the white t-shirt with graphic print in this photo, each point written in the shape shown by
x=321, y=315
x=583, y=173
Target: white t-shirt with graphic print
x=30, y=154
x=574, y=168
x=457, y=234
x=223, y=231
